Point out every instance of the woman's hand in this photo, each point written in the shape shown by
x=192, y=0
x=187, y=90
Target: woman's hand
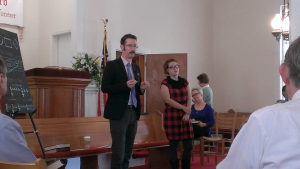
x=187, y=110
x=202, y=124
x=186, y=117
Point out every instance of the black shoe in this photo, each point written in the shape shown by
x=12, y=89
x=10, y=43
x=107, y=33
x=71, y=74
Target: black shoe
x=185, y=164
x=174, y=164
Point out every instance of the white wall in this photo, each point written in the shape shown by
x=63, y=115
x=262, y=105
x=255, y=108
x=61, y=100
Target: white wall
x=230, y=40
x=41, y=20
x=29, y=45
x=294, y=19
x=246, y=56
x=55, y=16
x=163, y=26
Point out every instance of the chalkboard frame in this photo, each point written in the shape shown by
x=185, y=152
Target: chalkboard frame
x=17, y=98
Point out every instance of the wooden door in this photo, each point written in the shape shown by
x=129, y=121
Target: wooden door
x=155, y=75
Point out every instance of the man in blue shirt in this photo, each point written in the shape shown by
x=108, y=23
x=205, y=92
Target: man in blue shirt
x=13, y=146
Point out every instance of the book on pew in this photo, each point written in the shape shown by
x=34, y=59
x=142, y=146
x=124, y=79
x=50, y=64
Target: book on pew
x=57, y=148
x=54, y=164
x=105, y=146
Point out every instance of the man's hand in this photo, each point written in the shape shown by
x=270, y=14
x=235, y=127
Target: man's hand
x=145, y=85
x=131, y=83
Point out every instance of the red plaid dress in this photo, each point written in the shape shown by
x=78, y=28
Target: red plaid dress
x=175, y=127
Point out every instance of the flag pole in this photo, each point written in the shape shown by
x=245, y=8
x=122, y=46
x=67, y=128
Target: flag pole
x=104, y=42
x=103, y=65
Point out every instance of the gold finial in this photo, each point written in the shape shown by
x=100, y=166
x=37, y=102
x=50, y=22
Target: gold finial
x=105, y=23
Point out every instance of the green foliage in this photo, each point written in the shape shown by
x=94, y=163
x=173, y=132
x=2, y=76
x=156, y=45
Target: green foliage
x=84, y=62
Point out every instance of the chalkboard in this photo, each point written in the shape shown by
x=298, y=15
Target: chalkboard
x=17, y=98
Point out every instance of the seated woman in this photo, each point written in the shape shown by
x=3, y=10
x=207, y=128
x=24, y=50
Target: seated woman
x=202, y=115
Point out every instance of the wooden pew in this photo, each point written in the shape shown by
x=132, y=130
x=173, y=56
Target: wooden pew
x=247, y=115
x=150, y=135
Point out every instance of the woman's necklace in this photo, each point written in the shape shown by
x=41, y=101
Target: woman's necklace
x=197, y=111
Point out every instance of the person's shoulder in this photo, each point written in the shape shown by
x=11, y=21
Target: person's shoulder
x=5, y=121
x=114, y=61
x=269, y=117
x=113, y=64
x=209, y=88
x=206, y=89
x=271, y=109
x=208, y=106
x=264, y=112
x=185, y=81
x=275, y=112
x=165, y=82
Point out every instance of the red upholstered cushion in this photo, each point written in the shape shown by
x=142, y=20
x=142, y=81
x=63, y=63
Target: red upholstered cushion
x=51, y=72
x=140, y=154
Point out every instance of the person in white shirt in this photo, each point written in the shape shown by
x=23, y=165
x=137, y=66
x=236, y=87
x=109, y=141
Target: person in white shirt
x=13, y=146
x=271, y=137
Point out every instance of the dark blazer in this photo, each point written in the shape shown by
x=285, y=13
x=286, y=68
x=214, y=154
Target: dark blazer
x=114, y=83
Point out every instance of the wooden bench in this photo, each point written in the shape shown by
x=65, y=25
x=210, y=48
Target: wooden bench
x=150, y=135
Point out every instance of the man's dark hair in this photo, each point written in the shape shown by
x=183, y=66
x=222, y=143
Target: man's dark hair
x=127, y=36
x=292, y=61
x=166, y=65
x=203, y=78
x=2, y=67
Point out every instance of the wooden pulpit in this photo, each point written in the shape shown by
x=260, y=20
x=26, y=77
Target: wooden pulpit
x=57, y=93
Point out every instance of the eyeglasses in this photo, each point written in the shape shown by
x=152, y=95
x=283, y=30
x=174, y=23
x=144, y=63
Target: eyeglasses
x=173, y=67
x=132, y=46
x=195, y=94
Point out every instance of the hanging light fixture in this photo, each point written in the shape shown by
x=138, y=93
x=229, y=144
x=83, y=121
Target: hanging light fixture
x=281, y=23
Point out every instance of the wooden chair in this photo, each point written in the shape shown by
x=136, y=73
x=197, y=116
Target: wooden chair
x=39, y=164
x=230, y=111
x=199, y=139
x=224, y=121
x=229, y=122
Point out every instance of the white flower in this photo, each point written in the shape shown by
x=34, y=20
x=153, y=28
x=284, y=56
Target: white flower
x=82, y=61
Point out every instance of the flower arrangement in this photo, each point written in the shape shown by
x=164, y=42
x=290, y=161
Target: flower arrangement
x=89, y=63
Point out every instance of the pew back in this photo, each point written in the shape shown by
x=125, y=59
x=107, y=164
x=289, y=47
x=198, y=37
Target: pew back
x=54, y=131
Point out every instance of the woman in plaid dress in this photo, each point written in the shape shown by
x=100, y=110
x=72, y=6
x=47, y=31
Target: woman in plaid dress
x=177, y=95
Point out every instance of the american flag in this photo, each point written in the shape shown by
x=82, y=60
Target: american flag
x=102, y=97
